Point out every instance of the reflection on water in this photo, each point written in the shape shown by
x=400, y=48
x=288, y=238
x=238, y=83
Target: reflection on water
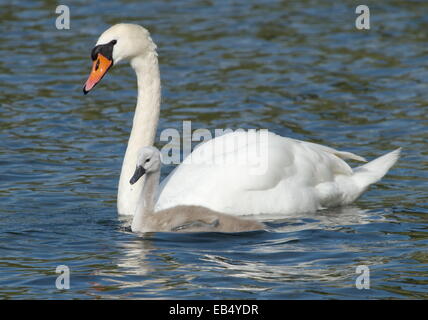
x=298, y=68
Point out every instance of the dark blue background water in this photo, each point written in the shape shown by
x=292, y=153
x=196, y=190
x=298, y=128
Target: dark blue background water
x=298, y=68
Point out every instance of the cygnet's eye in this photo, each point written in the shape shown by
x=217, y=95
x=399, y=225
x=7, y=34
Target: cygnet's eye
x=147, y=160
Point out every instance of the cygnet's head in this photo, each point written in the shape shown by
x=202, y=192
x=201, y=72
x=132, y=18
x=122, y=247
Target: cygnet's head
x=123, y=41
x=149, y=161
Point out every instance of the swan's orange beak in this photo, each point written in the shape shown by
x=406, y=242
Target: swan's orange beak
x=99, y=69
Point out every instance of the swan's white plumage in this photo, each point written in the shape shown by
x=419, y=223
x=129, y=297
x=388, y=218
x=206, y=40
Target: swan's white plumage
x=299, y=177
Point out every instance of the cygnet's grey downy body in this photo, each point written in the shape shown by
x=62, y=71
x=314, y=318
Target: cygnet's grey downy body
x=180, y=218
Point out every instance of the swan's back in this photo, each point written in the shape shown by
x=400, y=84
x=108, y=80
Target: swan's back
x=197, y=219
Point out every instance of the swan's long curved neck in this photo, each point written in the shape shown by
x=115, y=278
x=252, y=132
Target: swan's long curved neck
x=147, y=200
x=144, y=127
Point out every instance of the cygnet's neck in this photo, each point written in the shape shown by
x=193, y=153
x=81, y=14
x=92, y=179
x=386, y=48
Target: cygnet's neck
x=146, y=205
x=144, y=127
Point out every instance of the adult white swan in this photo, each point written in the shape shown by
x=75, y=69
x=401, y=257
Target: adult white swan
x=297, y=176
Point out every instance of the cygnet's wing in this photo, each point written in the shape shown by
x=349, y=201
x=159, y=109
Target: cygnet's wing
x=197, y=226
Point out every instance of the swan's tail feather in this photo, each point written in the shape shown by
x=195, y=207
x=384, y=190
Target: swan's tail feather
x=341, y=154
x=373, y=171
x=348, y=155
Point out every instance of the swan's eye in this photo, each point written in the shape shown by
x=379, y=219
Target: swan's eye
x=113, y=42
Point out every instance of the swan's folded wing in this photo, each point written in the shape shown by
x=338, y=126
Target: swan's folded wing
x=224, y=165
x=238, y=167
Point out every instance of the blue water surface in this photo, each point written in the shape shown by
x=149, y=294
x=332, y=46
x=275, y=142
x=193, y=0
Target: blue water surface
x=298, y=68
